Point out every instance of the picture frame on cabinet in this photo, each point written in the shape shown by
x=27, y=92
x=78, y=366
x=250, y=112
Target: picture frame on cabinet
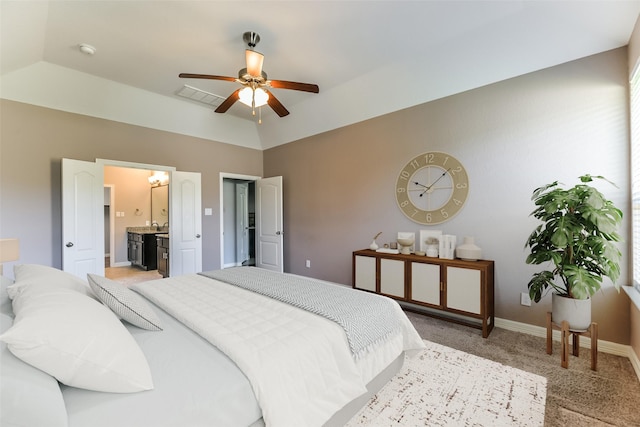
x=425, y=234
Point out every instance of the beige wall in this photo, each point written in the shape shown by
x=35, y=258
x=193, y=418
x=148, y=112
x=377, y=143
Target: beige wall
x=512, y=137
x=33, y=140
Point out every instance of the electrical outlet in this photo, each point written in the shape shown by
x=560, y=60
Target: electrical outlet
x=525, y=299
x=308, y=263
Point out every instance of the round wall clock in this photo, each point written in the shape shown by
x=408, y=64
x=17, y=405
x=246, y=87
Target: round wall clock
x=432, y=188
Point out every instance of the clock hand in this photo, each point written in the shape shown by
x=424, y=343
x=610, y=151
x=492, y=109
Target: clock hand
x=417, y=183
x=439, y=178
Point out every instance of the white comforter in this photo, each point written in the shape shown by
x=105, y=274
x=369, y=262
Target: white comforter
x=298, y=363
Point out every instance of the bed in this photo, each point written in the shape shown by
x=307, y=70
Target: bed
x=233, y=347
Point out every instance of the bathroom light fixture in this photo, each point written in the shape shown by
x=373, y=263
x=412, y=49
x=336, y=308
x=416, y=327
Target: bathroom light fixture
x=158, y=178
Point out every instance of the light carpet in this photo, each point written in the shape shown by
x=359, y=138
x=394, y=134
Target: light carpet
x=442, y=386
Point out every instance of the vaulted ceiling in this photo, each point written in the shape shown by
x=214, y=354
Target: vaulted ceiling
x=369, y=58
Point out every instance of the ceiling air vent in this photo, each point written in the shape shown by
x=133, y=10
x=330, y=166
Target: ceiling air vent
x=200, y=96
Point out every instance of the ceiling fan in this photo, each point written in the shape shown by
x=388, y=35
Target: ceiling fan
x=255, y=91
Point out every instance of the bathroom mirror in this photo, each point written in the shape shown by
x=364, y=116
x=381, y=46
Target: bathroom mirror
x=160, y=205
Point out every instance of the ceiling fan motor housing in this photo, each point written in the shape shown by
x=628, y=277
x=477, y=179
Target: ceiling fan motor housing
x=251, y=39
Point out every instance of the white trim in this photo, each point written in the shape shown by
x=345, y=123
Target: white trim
x=112, y=222
x=134, y=165
x=603, y=346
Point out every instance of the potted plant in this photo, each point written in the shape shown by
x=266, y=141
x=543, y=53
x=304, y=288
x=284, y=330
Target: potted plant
x=577, y=236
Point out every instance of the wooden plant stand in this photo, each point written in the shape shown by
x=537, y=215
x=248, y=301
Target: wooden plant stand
x=591, y=332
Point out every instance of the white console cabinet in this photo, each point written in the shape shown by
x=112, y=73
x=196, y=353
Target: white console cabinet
x=452, y=289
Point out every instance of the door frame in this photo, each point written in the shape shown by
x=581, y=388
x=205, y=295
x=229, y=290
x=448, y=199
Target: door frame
x=112, y=221
x=223, y=176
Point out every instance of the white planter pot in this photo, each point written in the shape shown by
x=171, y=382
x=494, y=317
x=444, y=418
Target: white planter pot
x=575, y=311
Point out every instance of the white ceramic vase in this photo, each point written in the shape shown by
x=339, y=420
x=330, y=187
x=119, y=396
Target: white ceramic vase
x=373, y=246
x=575, y=311
x=468, y=250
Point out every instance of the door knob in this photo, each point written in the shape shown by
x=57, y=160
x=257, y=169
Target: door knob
x=69, y=244
x=197, y=236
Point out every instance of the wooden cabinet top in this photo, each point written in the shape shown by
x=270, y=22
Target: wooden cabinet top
x=481, y=263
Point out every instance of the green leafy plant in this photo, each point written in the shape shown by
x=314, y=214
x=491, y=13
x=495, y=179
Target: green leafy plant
x=577, y=235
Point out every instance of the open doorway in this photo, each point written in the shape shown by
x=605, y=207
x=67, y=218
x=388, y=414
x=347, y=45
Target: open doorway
x=263, y=220
x=238, y=222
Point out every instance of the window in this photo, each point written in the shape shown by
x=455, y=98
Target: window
x=635, y=172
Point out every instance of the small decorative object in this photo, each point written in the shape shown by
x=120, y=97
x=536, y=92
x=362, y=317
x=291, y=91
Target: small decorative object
x=425, y=234
x=406, y=241
x=432, y=244
x=373, y=246
x=447, y=246
x=420, y=253
x=393, y=245
x=468, y=250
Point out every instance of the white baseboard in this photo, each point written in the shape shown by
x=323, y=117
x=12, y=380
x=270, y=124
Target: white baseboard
x=122, y=264
x=603, y=346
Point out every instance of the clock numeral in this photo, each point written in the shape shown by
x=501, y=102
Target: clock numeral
x=404, y=203
x=444, y=213
x=430, y=158
x=415, y=164
x=401, y=190
x=427, y=217
x=454, y=171
x=457, y=202
x=461, y=185
x=404, y=175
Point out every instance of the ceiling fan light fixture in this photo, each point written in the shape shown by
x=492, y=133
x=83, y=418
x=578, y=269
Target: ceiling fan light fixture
x=253, y=98
x=254, y=62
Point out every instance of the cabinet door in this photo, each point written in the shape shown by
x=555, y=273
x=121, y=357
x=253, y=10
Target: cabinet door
x=392, y=277
x=464, y=289
x=365, y=273
x=425, y=283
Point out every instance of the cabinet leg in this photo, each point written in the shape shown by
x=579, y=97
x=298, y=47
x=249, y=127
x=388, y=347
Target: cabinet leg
x=565, y=344
x=594, y=346
x=549, y=334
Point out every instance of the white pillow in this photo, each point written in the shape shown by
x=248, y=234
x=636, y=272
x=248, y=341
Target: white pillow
x=79, y=341
x=28, y=274
x=124, y=302
x=28, y=396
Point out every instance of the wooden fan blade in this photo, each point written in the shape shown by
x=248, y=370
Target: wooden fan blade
x=206, y=76
x=305, y=87
x=227, y=103
x=276, y=105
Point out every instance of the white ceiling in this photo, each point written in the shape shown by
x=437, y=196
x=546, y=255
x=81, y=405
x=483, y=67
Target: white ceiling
x=368, y=57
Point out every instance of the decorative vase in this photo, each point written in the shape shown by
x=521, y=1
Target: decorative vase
x=468, y=250
x=575, y=311
x=373, y=246
x=405, y=244
x=432, y=251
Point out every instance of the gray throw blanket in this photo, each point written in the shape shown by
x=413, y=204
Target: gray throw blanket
x=367, y=319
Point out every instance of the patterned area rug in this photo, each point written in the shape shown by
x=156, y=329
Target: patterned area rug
x=445, y=387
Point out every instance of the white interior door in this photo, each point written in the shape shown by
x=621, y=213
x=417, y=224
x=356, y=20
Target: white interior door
x=82, y=218
x=185, y=232
x=242, y=222
x=269, y=224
